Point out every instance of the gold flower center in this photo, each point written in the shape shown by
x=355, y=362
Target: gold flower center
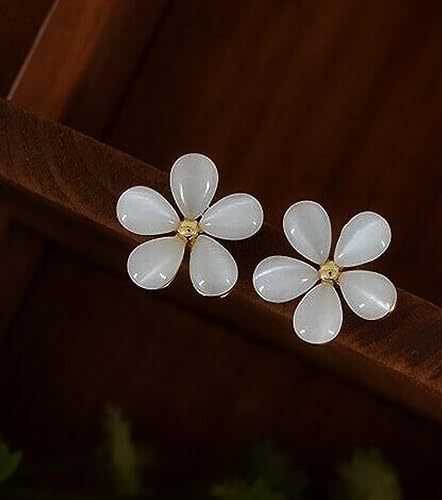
x=189, y=230
x=329, y=272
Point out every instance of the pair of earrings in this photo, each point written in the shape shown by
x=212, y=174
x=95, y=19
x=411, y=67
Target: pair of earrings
x=213, y=271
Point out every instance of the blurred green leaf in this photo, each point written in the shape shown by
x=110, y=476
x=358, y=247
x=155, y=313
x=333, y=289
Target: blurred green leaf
x=125, y=461
x=367, y=477
x=9, y=461
x=263, y=460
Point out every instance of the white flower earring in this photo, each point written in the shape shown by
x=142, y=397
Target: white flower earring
x=193, y=182
x=318, y=317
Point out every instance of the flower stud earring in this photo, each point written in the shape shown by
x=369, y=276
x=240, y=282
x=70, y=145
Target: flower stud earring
x=193, y=182
x=318, y=317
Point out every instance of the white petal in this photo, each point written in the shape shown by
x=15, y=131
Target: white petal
x=369, y=295
x=143, y=210
x=363, y=239
x=318, y=317
x=193, y=181
x=234, y=217
x=279, y=278
x=213, y=270
x=307, y=227
x=154, y=264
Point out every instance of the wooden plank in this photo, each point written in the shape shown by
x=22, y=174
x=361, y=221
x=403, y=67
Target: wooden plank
x=85, y=56
x=20, y=21
x=196, y=390
x=80, y=179
x=338, y=102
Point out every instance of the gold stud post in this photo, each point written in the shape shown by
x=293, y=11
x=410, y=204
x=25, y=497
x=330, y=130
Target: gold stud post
x=189, y=230
x=329, y=272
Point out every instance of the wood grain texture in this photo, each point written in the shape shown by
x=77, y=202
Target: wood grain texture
x=335, y=101
x=196, y=390
x=20, y=21
x=83, y=60
x=80, y=179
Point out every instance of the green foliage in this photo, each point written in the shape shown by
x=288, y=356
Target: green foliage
x=267, y=474
x=367, y=477
x=124, y=459
x=264, y=461
x=9, y=461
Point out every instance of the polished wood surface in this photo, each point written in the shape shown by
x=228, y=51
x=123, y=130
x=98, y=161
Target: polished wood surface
x=335, y=101
x=78, y=180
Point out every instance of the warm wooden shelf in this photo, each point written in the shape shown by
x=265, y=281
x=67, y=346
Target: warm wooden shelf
x=66, y=185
